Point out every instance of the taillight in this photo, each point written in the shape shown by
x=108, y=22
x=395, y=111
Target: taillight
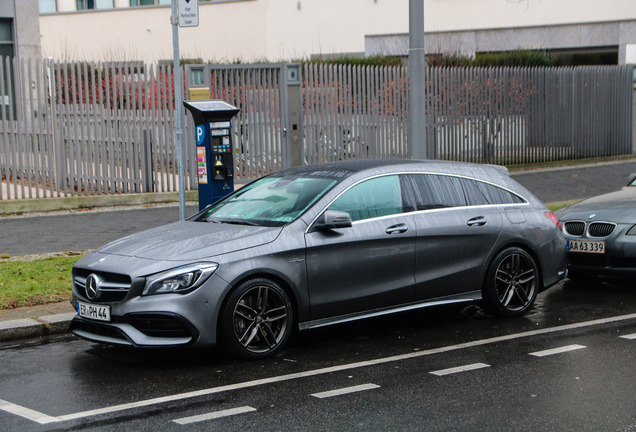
x=553, y=218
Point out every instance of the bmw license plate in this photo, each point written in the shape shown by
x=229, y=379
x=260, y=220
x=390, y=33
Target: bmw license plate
x=93, y=311
x=596, y=247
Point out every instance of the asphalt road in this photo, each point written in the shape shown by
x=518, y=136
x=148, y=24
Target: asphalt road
x=57, y=232
x=567, y=365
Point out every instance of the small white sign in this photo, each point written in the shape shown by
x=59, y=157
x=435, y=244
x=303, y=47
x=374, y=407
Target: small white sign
x=188, y=13
x=630, y=54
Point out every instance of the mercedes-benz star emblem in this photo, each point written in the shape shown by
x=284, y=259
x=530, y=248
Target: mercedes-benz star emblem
x=92, y=286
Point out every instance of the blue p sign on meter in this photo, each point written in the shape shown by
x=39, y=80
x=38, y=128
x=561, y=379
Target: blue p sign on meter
x=200, y=134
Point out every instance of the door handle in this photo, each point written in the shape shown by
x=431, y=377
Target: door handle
x=477, y=221
x=397, y=229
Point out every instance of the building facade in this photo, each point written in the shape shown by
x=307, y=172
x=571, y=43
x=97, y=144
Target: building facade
x=19, y=28
x=589, y=31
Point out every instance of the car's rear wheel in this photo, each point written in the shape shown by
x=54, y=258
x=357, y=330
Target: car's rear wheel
x=511, y=284
x=256, y=319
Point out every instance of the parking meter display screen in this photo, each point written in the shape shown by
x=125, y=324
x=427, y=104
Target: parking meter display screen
x=219, y=145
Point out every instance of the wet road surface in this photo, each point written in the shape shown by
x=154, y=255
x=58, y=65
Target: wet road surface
x=567, y=365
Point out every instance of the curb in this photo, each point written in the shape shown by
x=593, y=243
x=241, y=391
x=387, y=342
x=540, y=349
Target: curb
x=45, y=325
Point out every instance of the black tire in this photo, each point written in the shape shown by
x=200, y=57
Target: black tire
x=512, y=283
x=256, y=319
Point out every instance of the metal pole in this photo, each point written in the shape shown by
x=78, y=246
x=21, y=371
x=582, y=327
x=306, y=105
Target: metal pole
x=178, y=109
x=417, y=66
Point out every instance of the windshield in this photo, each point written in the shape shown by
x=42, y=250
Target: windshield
x=270, y=201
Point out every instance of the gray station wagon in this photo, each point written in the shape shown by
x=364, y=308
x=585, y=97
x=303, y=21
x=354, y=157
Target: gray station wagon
x=320, y=245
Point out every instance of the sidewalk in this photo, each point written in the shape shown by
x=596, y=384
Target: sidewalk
x=35, y=321
x=563, y=184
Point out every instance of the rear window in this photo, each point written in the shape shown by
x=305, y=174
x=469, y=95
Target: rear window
x=434, y=191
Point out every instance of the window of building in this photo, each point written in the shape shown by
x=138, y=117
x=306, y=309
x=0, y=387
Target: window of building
x=94, y=4
x=149, y=2
x=6, y=37
x=47, y=6
x=7, y=92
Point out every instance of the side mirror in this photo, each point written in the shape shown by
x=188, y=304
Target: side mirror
x=632, y=179
x=332, y=219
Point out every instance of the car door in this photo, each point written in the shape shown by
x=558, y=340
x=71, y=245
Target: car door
x=455, y=233
x=370, y=264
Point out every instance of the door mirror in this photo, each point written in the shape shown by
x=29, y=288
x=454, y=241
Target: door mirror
x=332, y=219
x=632, y=179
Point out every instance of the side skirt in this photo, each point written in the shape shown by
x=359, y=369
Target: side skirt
x=469, y=297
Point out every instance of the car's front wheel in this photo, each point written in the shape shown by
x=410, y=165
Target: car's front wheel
x=511, y=284
x=256, y=319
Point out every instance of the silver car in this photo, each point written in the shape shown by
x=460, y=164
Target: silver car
x=320, y=245
x=601, y=234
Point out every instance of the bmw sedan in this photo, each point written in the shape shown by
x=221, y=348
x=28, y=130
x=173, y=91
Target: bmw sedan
x=601, y=234
x=319, y=245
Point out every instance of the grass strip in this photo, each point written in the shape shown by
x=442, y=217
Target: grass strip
x=29, y=283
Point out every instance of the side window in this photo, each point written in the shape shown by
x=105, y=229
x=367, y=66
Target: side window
x=437, y=191
x=495, y=195
x=381, y=196
x=474, y=194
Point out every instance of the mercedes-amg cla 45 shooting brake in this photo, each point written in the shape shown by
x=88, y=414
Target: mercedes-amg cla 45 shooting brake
x=319, y=245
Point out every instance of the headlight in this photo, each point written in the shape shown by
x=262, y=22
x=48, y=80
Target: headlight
x=632, y=231
x=180, y=280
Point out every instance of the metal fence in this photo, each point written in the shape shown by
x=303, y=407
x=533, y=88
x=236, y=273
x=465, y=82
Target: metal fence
x=108, y=128
x=78, y=129
x=354, y=112
x=513, y=116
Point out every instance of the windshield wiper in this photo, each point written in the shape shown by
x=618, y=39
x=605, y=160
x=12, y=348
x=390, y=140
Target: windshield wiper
x=233, y=222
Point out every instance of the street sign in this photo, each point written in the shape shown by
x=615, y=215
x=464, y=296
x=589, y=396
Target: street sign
x=188, y=13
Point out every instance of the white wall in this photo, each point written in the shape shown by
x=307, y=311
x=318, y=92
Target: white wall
x=445, y=15
x=278, y=30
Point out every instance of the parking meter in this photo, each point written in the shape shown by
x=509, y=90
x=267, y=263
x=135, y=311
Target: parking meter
x=215, y=157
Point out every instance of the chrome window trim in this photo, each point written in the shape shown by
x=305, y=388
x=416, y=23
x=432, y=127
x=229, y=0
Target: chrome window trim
x=525, y=202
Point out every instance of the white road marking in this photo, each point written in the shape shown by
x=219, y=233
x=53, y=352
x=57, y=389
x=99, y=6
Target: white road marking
x=332, y=369
x=214, y=415
x=629, y=336
x=459, y=369
x=27, y=413
x=346, y=390
x=557, y=350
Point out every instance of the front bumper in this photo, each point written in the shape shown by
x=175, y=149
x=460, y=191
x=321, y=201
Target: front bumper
x=139, y=330
x=162, y=320
x=619, y=257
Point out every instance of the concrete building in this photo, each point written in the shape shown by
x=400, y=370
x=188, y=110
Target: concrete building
x=585, y=31
x=19, y=29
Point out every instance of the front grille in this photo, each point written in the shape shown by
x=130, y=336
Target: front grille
x=112, y=287
x=601, y=229
x=161, y=325
x=575, y=228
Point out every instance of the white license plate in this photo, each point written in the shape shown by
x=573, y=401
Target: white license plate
x=93, y=311
x=596, y=247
